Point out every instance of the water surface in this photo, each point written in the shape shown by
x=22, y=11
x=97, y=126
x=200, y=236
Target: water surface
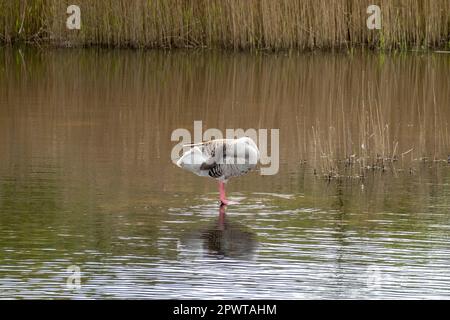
x=86, y=178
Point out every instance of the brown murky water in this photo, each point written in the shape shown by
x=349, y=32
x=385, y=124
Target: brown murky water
x=86, y=178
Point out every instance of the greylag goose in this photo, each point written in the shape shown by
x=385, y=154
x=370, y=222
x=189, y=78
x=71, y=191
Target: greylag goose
x=221, y=159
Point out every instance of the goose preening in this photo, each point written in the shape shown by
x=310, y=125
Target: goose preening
x=221, y=159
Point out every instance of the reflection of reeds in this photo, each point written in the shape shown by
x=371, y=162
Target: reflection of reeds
x=394, y=105
x=373, y=146
x=391, y=114
x=262, y=24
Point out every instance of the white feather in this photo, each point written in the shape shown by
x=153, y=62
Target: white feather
x=192, y=161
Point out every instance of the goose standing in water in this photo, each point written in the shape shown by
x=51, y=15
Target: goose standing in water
x=221, y=159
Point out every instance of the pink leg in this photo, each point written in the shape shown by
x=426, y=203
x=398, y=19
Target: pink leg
x=223, y=199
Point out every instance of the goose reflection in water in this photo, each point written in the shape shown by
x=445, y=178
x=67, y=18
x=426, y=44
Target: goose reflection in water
x=228, y=239
x=224, y=238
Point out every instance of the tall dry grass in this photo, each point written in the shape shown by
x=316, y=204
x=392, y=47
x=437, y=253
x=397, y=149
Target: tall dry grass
x=239, y=24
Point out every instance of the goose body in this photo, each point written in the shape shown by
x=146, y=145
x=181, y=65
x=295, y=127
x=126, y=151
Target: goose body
x=221, y=159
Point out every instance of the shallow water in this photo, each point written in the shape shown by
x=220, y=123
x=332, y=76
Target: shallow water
x=86, y=178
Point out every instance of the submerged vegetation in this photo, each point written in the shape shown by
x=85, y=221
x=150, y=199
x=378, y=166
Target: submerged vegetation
x=244, y=24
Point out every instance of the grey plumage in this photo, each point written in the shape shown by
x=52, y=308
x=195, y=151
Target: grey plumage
x=221, y=159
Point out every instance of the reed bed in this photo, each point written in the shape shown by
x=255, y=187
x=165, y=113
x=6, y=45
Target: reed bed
x=237, y=24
